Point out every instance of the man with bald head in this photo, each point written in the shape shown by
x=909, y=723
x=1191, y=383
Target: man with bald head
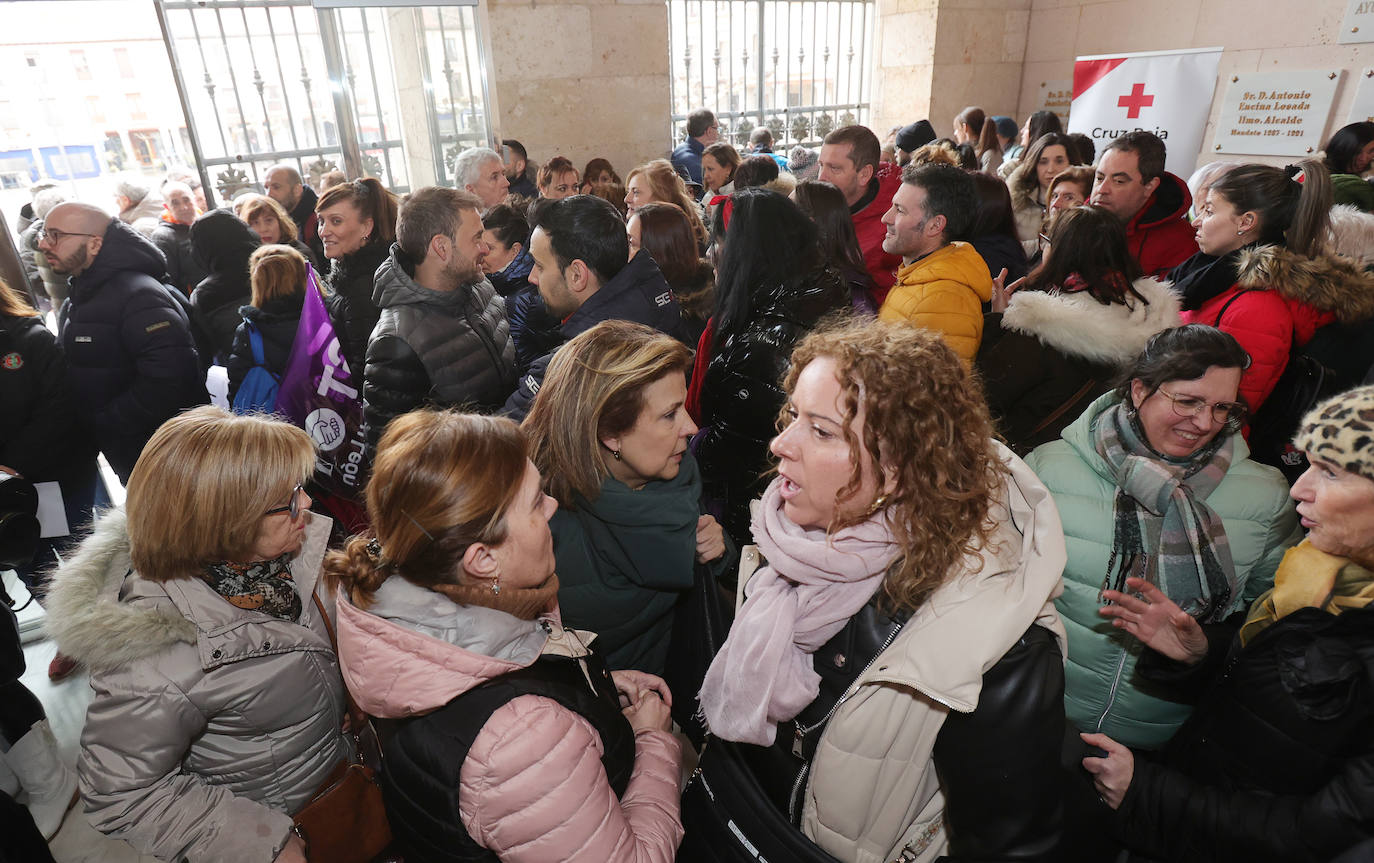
x=283, y=184
x=131, y=361
x=172, y=236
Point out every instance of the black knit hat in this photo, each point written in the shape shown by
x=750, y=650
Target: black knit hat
x=915, y=136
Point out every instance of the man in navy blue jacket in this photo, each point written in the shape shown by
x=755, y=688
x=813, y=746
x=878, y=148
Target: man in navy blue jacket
x=580, y=250
x=701, y=133
x=131, y=359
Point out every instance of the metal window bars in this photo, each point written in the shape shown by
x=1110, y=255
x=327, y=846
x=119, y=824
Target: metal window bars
x=264, y=82
x=800, y=67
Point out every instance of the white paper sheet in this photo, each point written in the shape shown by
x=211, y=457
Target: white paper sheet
x=52, y=515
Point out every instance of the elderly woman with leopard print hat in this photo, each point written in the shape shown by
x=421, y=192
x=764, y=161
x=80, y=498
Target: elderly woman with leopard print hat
x=1277, y=762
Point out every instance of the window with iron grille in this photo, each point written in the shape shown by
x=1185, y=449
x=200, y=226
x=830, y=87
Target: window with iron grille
x=802, y=68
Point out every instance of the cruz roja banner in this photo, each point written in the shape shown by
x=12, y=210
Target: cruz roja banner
x=1168, y=93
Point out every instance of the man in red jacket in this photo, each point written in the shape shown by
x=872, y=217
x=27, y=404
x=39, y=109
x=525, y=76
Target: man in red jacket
x=1132, y=183
x=850, y=160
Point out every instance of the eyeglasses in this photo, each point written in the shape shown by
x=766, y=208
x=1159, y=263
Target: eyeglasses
x=1229, y=414
x=54, y=236
x=294, y=507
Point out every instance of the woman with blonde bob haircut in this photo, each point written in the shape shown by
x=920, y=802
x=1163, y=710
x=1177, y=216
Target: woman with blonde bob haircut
x=278, y=279
x=657, y=181
x=609, y=431
x=892, y=681
x=218, y=701
x=509, y=738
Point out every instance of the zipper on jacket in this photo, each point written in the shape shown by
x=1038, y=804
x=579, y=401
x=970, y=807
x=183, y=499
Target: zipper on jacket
x=1111, y=693
x=799, y=733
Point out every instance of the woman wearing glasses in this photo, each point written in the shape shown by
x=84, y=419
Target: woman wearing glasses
x=1152, y=481
x=218, y=701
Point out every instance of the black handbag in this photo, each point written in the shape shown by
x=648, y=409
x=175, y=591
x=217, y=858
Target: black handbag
x=699, y=628
x=18, y=521
x=727, y=817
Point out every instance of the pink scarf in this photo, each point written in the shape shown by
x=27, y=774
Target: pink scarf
x=813, y=584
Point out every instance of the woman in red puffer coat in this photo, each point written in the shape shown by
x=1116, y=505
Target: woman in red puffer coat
x=1264, y=274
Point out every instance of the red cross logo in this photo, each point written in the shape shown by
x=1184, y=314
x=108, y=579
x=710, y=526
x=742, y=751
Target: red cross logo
x=1135, y=101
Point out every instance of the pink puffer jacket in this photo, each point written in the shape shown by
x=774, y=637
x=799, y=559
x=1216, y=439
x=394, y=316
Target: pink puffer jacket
x=533, y=788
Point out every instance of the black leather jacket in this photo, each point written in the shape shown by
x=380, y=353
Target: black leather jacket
x=742, y=393
x=998, y=766
x=1277, y=761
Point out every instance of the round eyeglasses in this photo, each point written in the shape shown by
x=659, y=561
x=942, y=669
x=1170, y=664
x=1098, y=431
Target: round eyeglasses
x=1229, y=414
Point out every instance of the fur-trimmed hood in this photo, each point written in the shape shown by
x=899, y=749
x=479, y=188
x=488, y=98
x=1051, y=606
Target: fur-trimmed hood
x=1078, y=325
x=1329, y=283
x=103, y=618
x=85, y=616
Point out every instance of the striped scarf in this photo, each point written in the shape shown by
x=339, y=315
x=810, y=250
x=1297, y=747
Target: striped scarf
x=1164, y=532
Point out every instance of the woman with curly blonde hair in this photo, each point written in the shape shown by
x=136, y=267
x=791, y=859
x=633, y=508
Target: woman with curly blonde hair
x=893, y=679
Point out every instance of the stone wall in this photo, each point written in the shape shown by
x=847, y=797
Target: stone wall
x=936, y=57
x=582, y=79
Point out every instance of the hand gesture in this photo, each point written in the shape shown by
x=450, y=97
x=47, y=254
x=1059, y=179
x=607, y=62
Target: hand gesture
x=1111, y=775
x=649, y=713
x=1156, y=621
x=710, y=539
x=1001, y=295
x=630, y=685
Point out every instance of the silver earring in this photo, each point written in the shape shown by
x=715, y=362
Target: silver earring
x=495, y=587
x=616, y=454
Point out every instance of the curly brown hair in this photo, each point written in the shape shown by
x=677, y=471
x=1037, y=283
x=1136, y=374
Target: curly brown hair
x=926, y=425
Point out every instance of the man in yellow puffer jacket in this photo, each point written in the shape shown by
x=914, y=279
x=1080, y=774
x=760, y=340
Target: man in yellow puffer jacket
x=942, y=284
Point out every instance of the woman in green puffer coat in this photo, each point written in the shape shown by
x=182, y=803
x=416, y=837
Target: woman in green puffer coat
x=1153, y=481
x=608, y=432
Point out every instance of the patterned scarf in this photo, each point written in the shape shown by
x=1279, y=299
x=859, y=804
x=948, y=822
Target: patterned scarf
x=1310, y=578
x=1164, y=532
x=263, y=585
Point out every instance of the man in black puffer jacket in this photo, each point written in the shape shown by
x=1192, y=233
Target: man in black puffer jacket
x=173, y=237
x=443, y=338
x=131, y=360
x=580, y=252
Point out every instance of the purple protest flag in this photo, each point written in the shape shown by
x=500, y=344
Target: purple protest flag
x=322, y=395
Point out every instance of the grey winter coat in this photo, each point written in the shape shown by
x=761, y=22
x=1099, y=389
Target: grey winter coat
x=210, y=723
x=450, y=349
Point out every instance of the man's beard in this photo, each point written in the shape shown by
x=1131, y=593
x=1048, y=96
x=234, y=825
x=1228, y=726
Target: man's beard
x=464, y=273
x=73, y=263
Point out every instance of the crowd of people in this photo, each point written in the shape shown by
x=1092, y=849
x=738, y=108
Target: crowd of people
x=863, y=503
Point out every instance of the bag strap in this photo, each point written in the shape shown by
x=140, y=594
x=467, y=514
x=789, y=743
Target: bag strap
x=1059, y=411
x=334, y=642
x=1234, y=297
x=255, y=341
